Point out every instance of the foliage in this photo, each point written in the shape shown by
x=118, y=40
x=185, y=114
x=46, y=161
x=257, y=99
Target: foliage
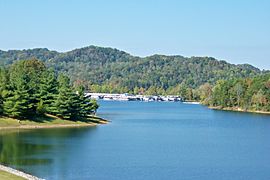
x=113, y=71
x=29, y=89
x=244, y=93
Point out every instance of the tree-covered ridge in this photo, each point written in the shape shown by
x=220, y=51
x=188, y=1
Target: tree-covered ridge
x=116, y=69
x=43, y=54
x=251, y=94
x=29, y=89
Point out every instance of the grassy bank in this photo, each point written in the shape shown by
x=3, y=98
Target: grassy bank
x=238, y=110
x=8, y=176
x=48, y=121
x=8, y=173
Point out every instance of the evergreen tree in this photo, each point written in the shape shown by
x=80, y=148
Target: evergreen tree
x=24, y=82
x=28, y=89
x=3, y=87
x=17, y=101
x=67, y=104
x=34, y=70
x=48, y=92
x=63, y=102
x=75, y=106
x=87, y=106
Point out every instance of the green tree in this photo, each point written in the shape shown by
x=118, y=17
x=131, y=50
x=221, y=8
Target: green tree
x=205, y=93
x=86, y=106
x=47, y=92
x=239, y=92
x=63, y=102
x=17, y=101
x=3, y=87
x=29, y=89
x=259, y=100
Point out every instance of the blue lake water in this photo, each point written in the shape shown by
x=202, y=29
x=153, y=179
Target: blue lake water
x=155, y=140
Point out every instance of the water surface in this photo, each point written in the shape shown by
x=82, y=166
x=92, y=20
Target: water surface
x=155, y=140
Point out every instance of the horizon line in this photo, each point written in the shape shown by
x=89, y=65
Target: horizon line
x=139, y=56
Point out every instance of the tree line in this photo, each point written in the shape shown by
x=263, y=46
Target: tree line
x=107, y=66
x=243, y=93
x=29, y=89
x=112, y=71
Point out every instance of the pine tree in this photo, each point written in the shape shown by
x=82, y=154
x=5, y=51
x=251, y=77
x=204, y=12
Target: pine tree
x=34, y=70
x=22, y=97
x=28, y=89
x=67, y=102
x=3, y=87
x=75, y=106
x=47, y=92
x=17, y=101
x=87, y=105
x=83, y=101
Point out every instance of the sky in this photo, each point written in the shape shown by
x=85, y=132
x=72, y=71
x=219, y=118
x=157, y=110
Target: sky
x=237, y=31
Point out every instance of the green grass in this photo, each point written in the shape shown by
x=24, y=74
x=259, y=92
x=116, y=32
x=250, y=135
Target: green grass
x=7, y=176
x=48, y=120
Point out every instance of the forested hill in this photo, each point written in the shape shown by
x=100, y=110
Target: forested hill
x=109, y=66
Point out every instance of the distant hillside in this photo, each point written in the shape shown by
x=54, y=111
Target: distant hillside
x=97, y=65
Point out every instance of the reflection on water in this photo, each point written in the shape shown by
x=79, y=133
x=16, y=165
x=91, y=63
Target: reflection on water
x=16, y=152
x=33, y=148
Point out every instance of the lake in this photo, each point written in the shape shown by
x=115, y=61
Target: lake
x=147, y=140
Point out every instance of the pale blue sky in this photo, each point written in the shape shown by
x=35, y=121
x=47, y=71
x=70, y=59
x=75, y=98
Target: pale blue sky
x=237, y=31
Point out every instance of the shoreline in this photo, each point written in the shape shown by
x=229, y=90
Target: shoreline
x=47, y=126
x=238, y=110
x=47, y=123
x=18, y=173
